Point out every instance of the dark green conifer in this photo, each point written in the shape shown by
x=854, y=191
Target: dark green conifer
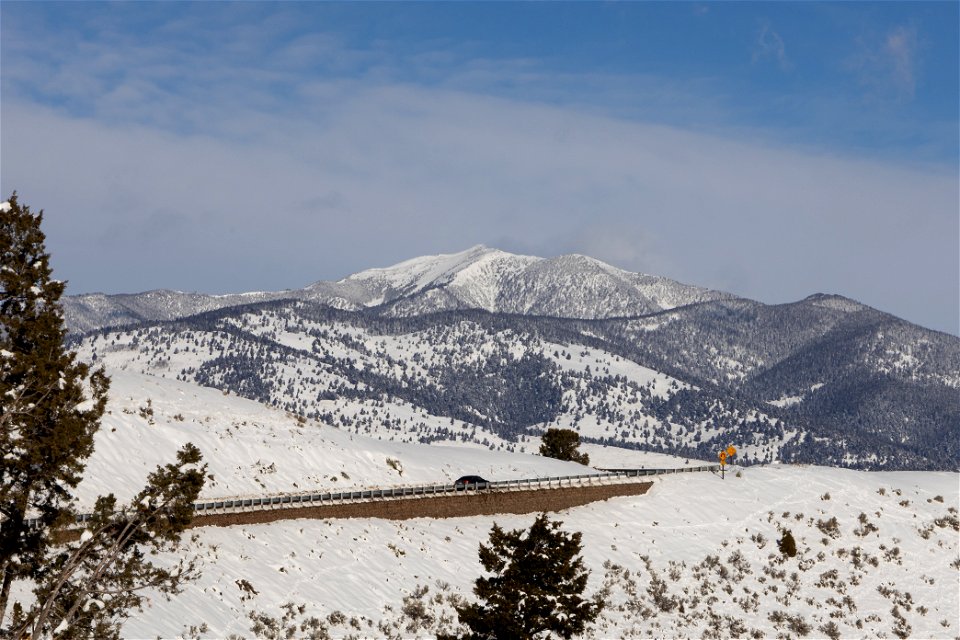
x=50, y=405
x=535, y=587
x=787, y=545
x=50, y=410
x=562, y=444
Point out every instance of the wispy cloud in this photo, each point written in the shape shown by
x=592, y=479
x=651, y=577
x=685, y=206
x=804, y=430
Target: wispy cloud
x=397, y=170
x=196, y=166
x=769, y=44
x=900, y=49
x=888, y=66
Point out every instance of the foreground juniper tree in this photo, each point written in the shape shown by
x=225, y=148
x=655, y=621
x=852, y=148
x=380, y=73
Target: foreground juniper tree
x=535, y=587
x=50, y=410
x=47, y=430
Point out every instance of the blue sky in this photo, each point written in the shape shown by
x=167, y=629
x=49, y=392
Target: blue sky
x=772, y=150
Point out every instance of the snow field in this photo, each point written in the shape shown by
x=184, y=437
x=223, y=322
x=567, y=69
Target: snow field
x=251, y=449
x=363, y=567
x=711, y=542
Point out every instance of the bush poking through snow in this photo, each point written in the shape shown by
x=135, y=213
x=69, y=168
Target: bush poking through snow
x=394, y=464
x=866, y=527
x=830, y=527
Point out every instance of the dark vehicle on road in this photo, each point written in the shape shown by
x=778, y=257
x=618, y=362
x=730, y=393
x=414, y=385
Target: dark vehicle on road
x=470, y=482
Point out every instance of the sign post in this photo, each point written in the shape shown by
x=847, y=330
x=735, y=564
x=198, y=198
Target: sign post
x=729, y=452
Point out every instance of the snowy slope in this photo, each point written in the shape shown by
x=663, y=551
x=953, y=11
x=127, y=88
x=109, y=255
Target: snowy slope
x=253, y=449
x=711, y=542
x=695, y=557
x=599, y=394
x=364, y=568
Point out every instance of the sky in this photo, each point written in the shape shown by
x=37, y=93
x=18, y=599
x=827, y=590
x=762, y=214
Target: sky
x=770, y=150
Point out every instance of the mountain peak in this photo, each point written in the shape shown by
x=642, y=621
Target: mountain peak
x=834, y=301
x=417, y=274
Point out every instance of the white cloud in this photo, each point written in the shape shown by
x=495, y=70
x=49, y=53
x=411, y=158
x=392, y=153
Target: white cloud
x=381, y=173
x=220, y=168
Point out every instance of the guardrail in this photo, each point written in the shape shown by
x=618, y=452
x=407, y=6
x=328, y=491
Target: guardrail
x=319, y=498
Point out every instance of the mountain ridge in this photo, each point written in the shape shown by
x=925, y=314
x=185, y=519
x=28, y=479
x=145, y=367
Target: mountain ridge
x=505, y=346
x=797, y=382
x=572, y=286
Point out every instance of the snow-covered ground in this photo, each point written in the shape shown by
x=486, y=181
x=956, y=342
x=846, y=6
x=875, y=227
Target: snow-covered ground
x=695, y=556
x=253, y=449
x=712, y=541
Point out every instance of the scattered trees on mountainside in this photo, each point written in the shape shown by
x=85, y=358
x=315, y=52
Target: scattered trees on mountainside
x=506, y=376
x=563, y=444
x=50, y=410
x=535, y=586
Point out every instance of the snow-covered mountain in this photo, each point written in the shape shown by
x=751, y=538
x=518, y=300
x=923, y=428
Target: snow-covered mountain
x=802, y=382
x=356, y=378
x=571, y=286
x=524, y=343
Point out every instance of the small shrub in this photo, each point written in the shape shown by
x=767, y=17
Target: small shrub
x=901, y=628
x=865, y=527
x=831, y=630
x=759, y=540
x=247, y=590
x=799, y=626
x=147, y=412
x=829, y=527
x=394, y=464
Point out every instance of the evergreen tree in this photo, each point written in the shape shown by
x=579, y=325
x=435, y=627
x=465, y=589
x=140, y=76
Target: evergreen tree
x=535, y=587
x=87, y=588
x=562, y=444
x=46, y=427
x=787, y=544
